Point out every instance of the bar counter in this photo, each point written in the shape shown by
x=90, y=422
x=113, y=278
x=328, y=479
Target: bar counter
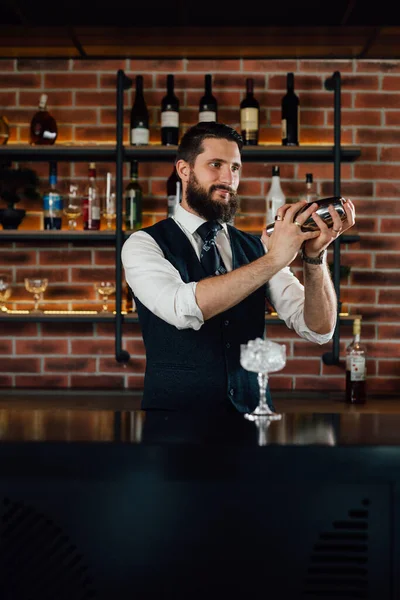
x=102, y=500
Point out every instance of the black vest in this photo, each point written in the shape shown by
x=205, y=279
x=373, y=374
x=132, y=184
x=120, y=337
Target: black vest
x=188, y=369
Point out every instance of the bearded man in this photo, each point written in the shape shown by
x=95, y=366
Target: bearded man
x=200, y=284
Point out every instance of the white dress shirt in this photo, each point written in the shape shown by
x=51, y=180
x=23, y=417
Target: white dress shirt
x=159, y=286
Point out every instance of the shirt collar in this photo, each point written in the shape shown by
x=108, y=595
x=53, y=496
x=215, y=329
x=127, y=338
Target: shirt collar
x=190, y=221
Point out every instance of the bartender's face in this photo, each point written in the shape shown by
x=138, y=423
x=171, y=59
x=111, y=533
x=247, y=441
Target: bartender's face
x=211, y=189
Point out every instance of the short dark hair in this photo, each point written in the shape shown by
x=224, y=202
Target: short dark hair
x=191, y=144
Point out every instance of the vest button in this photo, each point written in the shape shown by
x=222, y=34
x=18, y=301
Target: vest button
x=226, y=323
x=227, y=345
x=231, y=392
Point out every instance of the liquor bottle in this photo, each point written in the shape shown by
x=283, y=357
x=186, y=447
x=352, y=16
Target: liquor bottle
x=52, y=201
x=4, y=130
x=139, y=117
x=170, y=115
x=43, y=125
x=322, y=211
x=275, y=197
x=133, y=199
x=173, y=192
x=290, y=114
x=208, y=106
x=356, y=370
x=310, y=193
x=249, y=115
x=91, y=202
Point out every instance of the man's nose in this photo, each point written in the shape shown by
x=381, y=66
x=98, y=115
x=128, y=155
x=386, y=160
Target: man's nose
x=226, y=176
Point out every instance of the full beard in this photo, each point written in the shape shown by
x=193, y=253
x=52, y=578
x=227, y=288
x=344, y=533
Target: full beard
x=200, y=200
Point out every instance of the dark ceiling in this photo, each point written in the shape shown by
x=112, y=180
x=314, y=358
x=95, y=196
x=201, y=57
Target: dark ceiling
x=161, y=13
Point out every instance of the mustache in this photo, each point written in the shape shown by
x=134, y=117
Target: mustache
x=225, y=188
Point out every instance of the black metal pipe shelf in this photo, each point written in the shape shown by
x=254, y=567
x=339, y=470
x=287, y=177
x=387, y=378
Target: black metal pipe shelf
x=108, y=153
x=57, y=235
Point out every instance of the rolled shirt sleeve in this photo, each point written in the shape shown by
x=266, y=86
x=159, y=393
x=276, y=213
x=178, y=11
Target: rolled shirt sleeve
x=158, y=285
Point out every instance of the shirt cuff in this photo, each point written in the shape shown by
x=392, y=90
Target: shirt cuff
x=186, y=307
x=307, y=333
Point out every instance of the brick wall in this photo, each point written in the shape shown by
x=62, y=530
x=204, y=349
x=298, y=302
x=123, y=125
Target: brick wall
x=82, y=98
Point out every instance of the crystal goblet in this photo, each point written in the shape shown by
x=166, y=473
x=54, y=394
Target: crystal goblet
x=36, y=286
x=105, y=289
x=262, y=357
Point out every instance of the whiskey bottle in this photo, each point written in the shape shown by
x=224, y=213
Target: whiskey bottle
x=356, y=369
x=91, y=202
x=43, y=125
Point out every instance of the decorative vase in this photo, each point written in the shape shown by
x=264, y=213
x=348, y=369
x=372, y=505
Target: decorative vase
x=11, y=218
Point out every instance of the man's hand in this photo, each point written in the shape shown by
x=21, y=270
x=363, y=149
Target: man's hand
x=315, y=246
x=287, y=238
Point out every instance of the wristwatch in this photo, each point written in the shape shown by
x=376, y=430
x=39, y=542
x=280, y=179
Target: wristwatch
x=318, y=260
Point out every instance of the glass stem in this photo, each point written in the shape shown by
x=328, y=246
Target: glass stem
x=105, y=303
x=36, y=298
x=262, y=382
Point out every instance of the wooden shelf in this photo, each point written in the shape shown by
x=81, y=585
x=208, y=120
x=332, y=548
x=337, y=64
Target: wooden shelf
x=158, y=153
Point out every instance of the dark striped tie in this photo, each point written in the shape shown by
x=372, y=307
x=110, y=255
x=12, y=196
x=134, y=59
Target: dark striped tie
x=210, y=257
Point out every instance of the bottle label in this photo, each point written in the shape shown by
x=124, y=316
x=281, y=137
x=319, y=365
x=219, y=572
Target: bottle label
x=170, y=118
x=131, y=209
x=49, y=135
x=284, y=129
x=357, y=368
x=207, y=116
x=90, y=211
x=139, y=136
x=52, y=203
x=249, y=119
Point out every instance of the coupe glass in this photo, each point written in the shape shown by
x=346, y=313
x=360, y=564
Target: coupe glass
x=262, y=357
x=5, y=291
x=73, y=209
x=105, y=289
x=36, y=286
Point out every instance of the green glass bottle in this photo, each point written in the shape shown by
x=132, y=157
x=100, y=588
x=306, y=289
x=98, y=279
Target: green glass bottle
x=133, y=200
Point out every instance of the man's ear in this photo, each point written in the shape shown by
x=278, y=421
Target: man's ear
x=183, y=170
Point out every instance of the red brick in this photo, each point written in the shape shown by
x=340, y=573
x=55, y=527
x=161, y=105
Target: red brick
x=5, y=346
x=99, y=65
x=70, y=364
x=46, y=382
x=91, y=275
x=7, y=65
x=135, y=382
x=95, y=99
x=381, y=278
x=279, y=382
x=20, y=365
x=41, y=347
x=376, y=172
x=387, y=189
x=269, y=66
x=17, y=258
x=322, y=172
x=391, y=83
x=353, y=294
x=19, y=329
x=334, y=369
x=137, y=365
x=135, y=347
x=69, y=81
x=65, y=257
x=66, y=329
x=224, y=98
x=8, y=99
x=369, y=154
x=97, y=134
x=361, y=260
x=93, y=347
x=390, y=225
x=19, y=115
x=390, y=368
x=209, y=65
x=320, y=383
x=76, y=116
x=54, y=275
x=360, y=82
x=377, y=66
x=97, y=382
x=381, y=384
x=108, y=116
x=389, y=297
x=6, y=381
x=377, y=136
x=378, y=313
x=104, y=257
x=378, y=100
x=16, y=80
x=392, y=117
x=138, y=66
x=42, y=64
x=387, y=261
x=326, y=66
x=389, y=332
x=390, y=154
x=109, y=81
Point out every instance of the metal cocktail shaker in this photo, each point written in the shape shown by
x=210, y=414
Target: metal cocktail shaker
x=322, y=211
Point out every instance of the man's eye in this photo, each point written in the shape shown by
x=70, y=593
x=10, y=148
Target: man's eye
x=215, y=164
x=235, y=168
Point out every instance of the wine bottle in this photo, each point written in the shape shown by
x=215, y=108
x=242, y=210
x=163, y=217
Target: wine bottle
x=356, y=370
x=173, y=192
x=43, y=125
x=249, y=115
x=322, y=211
x=208, y=106
x=275, y=197
x=170, y=115
x=290, y=114
x=139, y=117
x=91, y=202
x=52, y=201
x=133, y=199
x=310, y=193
